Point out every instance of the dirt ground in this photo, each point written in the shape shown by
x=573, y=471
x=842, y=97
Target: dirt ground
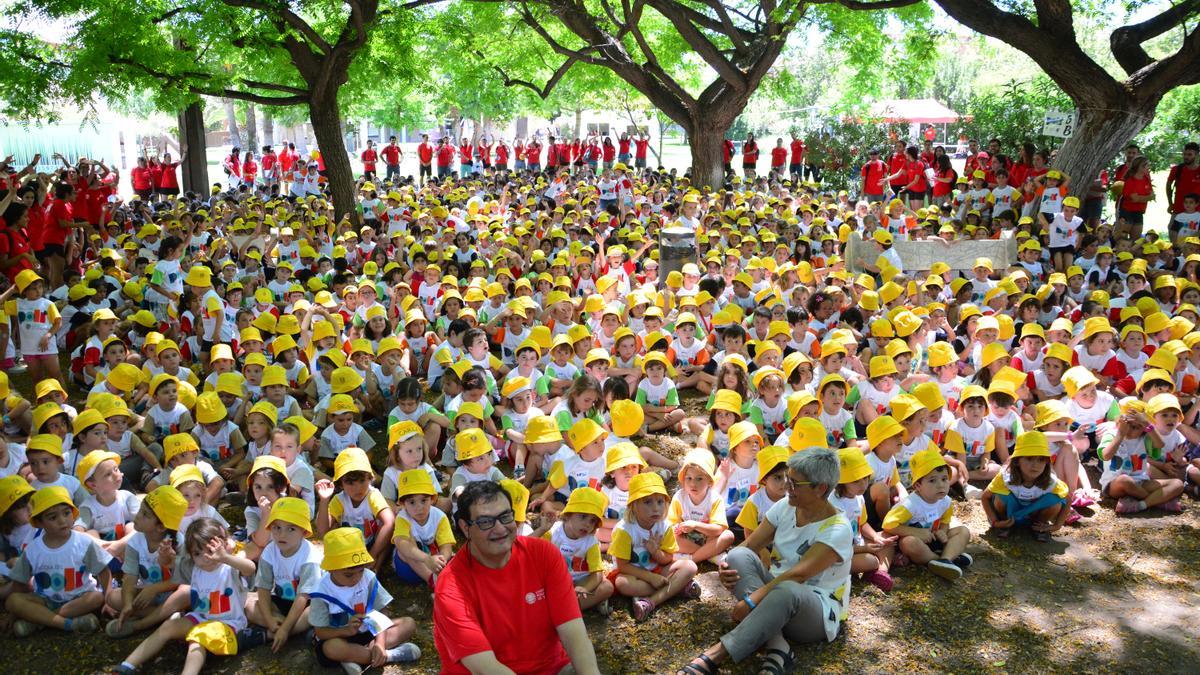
x=1108, y=594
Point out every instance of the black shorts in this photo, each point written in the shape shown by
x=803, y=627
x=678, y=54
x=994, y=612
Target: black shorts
x=51, y=250
x=794, y=169
x=425, y=170
x=206, y=346
x=144, y=194
x=284, y=606
x=167, y=191
x=1132, y=217
x=1056, y=250
x=640, y=163
x=362, y=639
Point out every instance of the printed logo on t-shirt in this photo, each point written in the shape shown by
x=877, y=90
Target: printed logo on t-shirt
x=66, y=580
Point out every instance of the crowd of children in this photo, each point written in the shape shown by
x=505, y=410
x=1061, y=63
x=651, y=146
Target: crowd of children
x=341, y=383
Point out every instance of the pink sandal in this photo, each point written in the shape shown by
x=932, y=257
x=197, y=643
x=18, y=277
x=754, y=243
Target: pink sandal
x=641, y=609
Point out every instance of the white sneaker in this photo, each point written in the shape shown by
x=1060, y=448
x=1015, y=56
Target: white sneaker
x=972, y=492
x=351, y=668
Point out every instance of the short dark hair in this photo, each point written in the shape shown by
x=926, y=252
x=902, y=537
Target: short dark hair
x=478, y=491
x=1193, y=146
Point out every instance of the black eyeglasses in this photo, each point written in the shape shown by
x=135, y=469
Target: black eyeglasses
x=485, y=523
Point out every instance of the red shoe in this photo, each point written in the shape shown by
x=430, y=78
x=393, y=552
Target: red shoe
x=880, y=579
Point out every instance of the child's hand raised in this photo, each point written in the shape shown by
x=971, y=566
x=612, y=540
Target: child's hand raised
x=726, y=467
x=324, y=489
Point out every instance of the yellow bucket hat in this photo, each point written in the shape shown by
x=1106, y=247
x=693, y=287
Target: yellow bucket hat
x=402, y=431
x=351, y=460
x=741, y=432
x=344, y=548
x=644, y=485
x=1077, y=378
x=854, y=465
x=185, y=473
x=727, y=400
x=807, y=433
x=771, y=457
x=627, y=418
x=178, y=443
x=473, y=443
x=883, y=428
x=49, y=497
x=543, y=429
x=414, y=482
x=266, y=462
x=585, y=432
x=168, y=505
x=12, y=488
x=46, y=443
x=209, y=409
x=926, y=461
x=291, y=510
x=586, y=500
x=90, y=462
x=1029, y=444
x=703, y=459
x=623, y=454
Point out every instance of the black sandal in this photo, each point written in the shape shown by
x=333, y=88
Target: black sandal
x=709, y=668
x=787, y=661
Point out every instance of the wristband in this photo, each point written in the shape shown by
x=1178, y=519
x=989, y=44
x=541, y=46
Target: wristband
x=749, y=603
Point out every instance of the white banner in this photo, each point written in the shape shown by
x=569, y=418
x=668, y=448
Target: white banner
x=920, y=255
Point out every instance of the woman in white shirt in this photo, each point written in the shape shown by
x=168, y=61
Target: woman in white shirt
x=804, y=596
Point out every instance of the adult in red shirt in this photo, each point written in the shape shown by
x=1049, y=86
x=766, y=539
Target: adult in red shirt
x=506, y=603
x=501, y=155
x=15, y=254
x=796, y=166
x=287, y=157
x=623, y=149
x=60, y=221
x=484, y=152
x=1184, y=178
x=249, y=169
x=370, y=157
x=533, y=156
x=139, y=176
x=917, y=184
x=1137, y=194
x=391, y=155
x=169, y=183
x=270, y=166
x=610, y=152
x=424, y=159
x=445, y=157
x=466, y=152
x=944, y=178
x=641, y=144
x=874, y=177
x=156, y=172
x=898, y=169
x=551, y=155
x=779, y=155
x=749, y=156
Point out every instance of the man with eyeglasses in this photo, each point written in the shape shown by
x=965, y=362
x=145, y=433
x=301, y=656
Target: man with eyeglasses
x=506, y=604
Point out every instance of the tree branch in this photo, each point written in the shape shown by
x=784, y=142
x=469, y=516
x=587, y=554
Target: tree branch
x=1126, y=41
x=218, y=92
x=543, y=92
x=281, y=12
x=697, y=41
x=867, y=6
x=1175, y=70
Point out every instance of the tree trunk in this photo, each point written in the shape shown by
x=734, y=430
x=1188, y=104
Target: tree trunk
x=706, y=139
x=1104, y=130
x=251, y=128
x=578, y=122
x=192, y=150
x=231, y=124
x=268, y=129
x=327, y=127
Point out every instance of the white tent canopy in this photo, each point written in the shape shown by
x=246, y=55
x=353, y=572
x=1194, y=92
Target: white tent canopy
x=914, y=110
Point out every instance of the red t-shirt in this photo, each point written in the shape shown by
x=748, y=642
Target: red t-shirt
x=465, y=151
x=1136, y=186
x=1187, y=181
x=250, y=170
x=749, y=153
x=390, y=154
x=640, y=145
x=286, y=158
x=52, y=232
x=624, y=146
x=873, y=174
x=484, y=153
x=445, y=155
x=156, y=171
x=425, y=153
x=369, y=157
x=268, y=162
x=797, y=151
x=513, y=612
x=778, y=157
x=533, y=153
x=502, y=154
x=140, y=176
x=12, y=244
x=899, y=162
x=170, y=180
x=941, y=189
x=610, y=151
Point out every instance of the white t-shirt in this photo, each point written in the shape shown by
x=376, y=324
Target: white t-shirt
x=791, y=542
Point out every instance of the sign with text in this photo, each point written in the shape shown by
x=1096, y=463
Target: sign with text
x=1059, y=124
x=920, y=255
